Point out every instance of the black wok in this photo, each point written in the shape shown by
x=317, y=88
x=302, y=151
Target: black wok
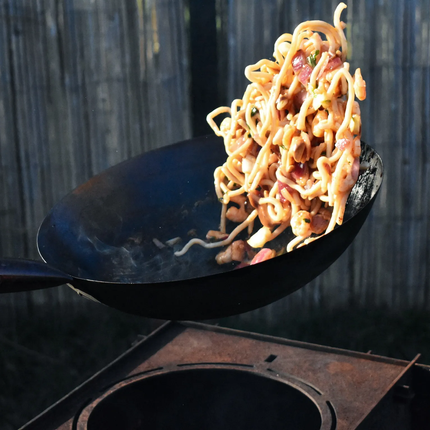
x=100, y=240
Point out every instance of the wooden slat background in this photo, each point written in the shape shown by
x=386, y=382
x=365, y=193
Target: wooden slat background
x=86, y=84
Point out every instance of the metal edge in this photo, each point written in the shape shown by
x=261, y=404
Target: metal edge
x=408, y=368
x=294, y=343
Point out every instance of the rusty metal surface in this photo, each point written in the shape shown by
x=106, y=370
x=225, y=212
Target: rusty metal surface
x=354, y=383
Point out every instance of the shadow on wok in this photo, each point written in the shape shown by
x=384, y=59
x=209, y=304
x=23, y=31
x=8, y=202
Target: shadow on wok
x=103, y=239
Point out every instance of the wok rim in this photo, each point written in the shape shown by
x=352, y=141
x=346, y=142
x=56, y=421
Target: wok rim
x=170, y=282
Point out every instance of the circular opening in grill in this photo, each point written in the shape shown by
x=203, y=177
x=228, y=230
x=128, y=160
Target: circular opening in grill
x=206, y=399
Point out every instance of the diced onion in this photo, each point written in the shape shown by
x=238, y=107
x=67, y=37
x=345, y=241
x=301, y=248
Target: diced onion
x=248, y=164
x=258, y=239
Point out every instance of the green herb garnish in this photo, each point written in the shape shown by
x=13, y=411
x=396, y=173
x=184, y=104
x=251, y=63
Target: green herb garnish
x=254, y=111
x=312, y=59
x=307, y=220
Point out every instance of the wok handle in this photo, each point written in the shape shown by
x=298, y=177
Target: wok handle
x=27, y=275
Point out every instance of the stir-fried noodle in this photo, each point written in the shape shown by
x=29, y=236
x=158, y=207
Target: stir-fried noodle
x=293, y=140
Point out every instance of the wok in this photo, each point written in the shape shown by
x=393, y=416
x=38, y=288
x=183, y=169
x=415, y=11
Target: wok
x=99, y=240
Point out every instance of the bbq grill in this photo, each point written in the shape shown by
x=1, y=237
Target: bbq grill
x=197, y=376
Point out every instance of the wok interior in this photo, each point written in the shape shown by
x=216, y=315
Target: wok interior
x=105, y=229
x=206, y=399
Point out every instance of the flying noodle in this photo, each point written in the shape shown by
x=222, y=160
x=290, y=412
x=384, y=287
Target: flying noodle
x=293, y=140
